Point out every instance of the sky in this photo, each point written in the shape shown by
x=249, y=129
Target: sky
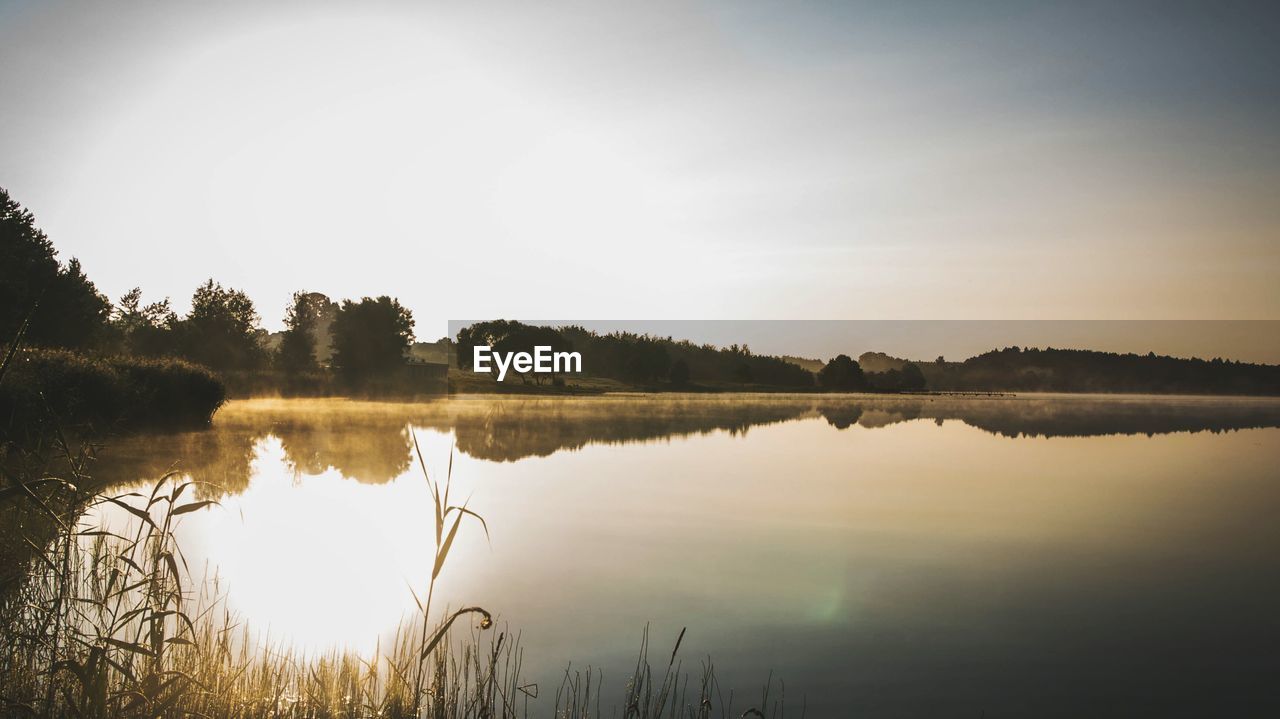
x=928, y=160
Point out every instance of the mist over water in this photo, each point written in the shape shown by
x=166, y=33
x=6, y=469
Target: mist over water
x=1031, y=555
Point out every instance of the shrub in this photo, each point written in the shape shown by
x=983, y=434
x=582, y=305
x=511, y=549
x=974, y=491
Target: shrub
x=100, y=393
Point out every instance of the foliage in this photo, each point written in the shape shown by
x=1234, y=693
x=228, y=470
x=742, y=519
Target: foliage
x=510, y=336
x=639, y=359
x=144, y=330
x=371, y=338
x=64, y=307
x=679, y=373
x=102, y=393
x=634, y=358
x=906, y=378
x=302, y=323
x=221, y=331
x=913, y=378
x=842, y=374
x=1065, y=370
x=623, y=356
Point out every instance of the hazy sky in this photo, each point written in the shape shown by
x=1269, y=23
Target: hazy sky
x=704, y=160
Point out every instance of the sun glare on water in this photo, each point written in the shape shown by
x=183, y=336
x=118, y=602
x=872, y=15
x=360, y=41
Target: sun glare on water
x=321, y=561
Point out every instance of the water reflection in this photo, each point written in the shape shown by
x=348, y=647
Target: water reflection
x=886, y=556
x=370, y=442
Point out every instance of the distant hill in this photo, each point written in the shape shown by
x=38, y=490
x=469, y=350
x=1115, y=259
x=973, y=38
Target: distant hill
x=1060, y=370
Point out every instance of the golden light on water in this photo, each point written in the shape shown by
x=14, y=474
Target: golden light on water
x=785, y=524
x=318, y=561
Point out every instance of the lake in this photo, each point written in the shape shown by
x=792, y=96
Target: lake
x=890, y=555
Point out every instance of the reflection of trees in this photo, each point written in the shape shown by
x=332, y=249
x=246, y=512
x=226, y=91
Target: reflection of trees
x=374, y=451
x=1062, y=416
x=370, y=441
x=368, y=448
x=506, y=430
x=219, y=457
x=841, y=416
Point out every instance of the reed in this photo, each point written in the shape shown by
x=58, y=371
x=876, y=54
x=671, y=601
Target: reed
x=114, y=624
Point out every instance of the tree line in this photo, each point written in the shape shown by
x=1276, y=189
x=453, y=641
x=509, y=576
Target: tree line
x=665, y=362
x=1018, y=369
x=55, y=305
x=362, y=341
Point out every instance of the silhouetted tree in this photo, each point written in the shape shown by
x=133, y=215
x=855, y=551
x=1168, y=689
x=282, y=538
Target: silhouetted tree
x=647, y=360
x=509, y=336
x=480, y=334
x=371, y=338
x=524, y=338
x=887, y=381
x=298, y=343
x=72, y=312
x=1065, y=370
x=643, y=358
x=27, y=264
x=912, y=377
x=321, y=310
x=842, y=374
x=679, y=374
x=221, y=331
x=742, y=373
x=146, y=330
x=65, y=308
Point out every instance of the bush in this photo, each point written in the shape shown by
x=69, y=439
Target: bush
x=101, y=393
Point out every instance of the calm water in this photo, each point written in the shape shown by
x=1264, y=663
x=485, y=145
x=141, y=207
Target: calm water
x=1036, y=555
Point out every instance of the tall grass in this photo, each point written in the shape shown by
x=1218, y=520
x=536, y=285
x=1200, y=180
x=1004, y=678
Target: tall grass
x=114, y=624
x=668, y=694
x=111, y=625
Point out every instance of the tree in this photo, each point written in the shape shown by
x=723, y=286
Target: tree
x=887, y=381
x=909, y=378
x=480, y=334
x=506, y=336
x=72, y=313
x=679, y=374
x=221, y=331
x=743, y=374
x=64, y=307
x=27, y=265
x=842, y=374
x=912, y=377
x=318, y=312
x=646, y=360
x=302, y=320
x=371, y=337
x=146, y=330
x=524, y=338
